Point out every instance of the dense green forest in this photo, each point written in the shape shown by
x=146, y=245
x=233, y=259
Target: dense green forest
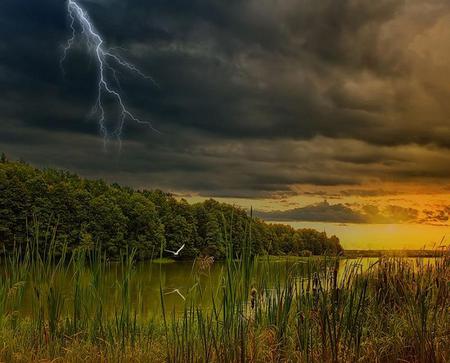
x=85, y=213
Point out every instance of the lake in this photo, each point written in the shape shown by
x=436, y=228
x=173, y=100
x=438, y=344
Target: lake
x=147, y=282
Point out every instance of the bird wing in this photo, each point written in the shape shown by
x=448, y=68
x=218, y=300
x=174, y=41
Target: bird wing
x=180, y=249
x=179, y=293
x=171, y=251
x=175, y=291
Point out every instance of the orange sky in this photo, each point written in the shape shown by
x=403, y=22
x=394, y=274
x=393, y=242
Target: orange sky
x=424, y=224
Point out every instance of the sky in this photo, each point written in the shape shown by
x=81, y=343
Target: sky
x=321, y=112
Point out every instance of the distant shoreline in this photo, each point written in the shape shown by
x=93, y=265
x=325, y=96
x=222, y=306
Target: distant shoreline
x=393, y=253
x=350, y=254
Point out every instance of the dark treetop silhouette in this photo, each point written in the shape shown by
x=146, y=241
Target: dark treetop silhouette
x=88, y=213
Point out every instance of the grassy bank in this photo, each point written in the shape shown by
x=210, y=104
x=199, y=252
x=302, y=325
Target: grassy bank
x=395, y=311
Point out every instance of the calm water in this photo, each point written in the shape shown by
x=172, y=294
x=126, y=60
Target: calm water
x=179, y=281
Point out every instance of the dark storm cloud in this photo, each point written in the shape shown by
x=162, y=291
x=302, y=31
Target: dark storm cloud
x=254, y=97
x=342, y=213
x=320, y=212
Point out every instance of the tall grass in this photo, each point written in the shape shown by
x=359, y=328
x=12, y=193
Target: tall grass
x=313, y=310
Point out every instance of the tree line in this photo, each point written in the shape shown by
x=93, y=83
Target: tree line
x=82, y=213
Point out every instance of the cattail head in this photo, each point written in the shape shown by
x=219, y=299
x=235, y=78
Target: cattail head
x=253, y=293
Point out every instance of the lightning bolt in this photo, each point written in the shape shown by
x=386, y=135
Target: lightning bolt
x=108, y=64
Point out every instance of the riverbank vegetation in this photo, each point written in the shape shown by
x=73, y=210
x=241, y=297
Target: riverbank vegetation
x=315, y=310
x=89, y=213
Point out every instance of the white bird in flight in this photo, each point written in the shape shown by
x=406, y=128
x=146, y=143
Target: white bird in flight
x=177, y=252
x=177, y=292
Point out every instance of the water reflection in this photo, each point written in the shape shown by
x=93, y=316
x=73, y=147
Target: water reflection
x=150, y=283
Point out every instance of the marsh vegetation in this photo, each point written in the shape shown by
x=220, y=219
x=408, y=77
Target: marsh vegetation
x=83, y=307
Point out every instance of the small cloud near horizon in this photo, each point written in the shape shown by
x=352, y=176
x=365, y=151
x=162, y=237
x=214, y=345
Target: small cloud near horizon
x=369, y=213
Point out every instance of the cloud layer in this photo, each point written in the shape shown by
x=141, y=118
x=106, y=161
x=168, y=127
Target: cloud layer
x=256, y=97
x=368, y=213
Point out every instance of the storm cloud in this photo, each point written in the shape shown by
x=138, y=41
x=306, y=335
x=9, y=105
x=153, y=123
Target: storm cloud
x=357, y=213
x=255, y=97
x=320, y=212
